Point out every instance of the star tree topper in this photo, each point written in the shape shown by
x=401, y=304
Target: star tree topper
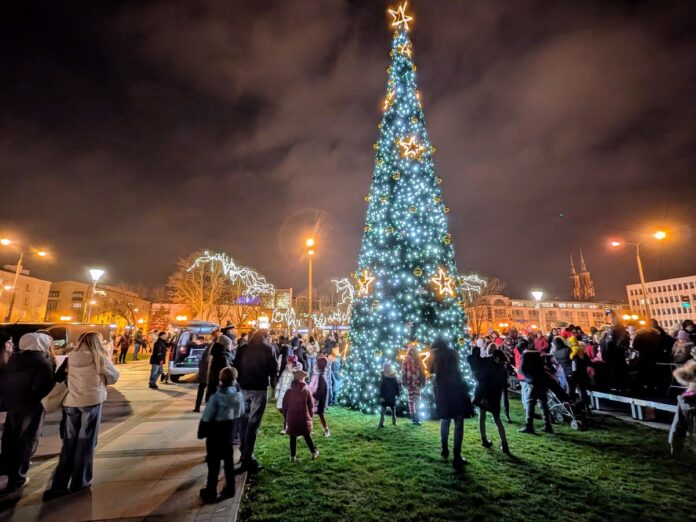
x=400, y=17
x=445, y=284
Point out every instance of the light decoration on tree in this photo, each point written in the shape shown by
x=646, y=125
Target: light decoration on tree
x=405, y=243
x=444, y=283
x=285, y=316
x=342, y=313
x=472, y=283
x=254, y=283
x=364, y=283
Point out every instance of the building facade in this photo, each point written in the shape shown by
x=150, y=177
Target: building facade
x=499, y=312
x=671, y=300
x=72, y=301
x=30, y=300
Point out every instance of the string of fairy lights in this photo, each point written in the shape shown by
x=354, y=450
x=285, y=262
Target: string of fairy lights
x=407, y=286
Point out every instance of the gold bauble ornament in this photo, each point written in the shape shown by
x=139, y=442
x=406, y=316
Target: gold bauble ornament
x=413, y=209
x=376, y=146
x=439, y=180
x=446, y=210
x=418, y=271
x=383, y=199
x=437, y=199
x=396, y=176
x=368, y=197
x=390, y=230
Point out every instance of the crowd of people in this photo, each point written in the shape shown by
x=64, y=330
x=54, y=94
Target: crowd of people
x=304, y=375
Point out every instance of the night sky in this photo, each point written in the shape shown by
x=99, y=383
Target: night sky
x=132, y=133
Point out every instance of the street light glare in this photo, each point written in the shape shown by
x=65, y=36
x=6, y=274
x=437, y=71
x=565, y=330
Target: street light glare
x=310, y=242
x=4, y=241
x=660, y=235
x=615, y=243
x=537, y=295
x=96, y=273
x=42, y=253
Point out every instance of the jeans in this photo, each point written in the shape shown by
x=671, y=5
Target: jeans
x=199, y=395
x=311, y=362
x=122, y=355
x=538, y=392
x=458, y=435
x=154, y=373
x=525, y=395
x=308, y=440
x=136, y=350
x=255, y=403
x=77, y=455
x=218, y=446
x=19, y=440
x=335, y=389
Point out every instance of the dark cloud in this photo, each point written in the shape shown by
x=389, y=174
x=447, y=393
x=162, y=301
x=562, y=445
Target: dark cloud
x=133, y=133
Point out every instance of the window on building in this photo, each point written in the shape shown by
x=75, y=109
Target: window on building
x=54, y=293
x=78, y=294
x=691, y=284
x=534, y=314
x=562, y=305
x=41, y=289
x=52, y=305
x=77, y=305
x=26, y=301
x=674, y=287
x=28, y=287
x=583, y=315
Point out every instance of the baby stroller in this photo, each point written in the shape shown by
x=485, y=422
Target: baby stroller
x=564, y=411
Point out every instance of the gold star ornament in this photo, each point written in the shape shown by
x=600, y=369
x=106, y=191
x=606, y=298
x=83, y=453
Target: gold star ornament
x=445, y=284
x=400, y=17
x=406, y=49
x=364, y=283
x=411, y=148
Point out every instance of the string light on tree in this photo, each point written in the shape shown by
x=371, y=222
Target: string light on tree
x=405, y=243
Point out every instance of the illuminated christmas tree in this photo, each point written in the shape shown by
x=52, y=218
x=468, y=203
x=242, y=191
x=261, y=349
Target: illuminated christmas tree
x=407, y=282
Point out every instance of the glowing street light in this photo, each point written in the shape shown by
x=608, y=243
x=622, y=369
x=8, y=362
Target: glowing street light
x=658, y=235
x=309, y=243
x=40, y=253
x=96, y=274
x=538, y=296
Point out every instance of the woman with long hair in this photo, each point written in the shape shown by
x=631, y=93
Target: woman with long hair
x=413, y=378
x=89, y=371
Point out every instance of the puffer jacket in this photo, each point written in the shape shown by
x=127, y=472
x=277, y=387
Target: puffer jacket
x=85, y=386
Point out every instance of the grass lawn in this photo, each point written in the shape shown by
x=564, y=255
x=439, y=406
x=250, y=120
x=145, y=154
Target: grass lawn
x=612, y=471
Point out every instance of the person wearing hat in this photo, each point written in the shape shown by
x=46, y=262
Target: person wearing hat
x=27, y=379
x=681, y=351
x=389, y=391
x=685, y=417
x=220, y=357
x=298, y=407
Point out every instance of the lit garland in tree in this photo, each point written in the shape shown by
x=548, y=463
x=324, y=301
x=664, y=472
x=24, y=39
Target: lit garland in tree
x=407, y=285
x=341, y=315
x=254, y=283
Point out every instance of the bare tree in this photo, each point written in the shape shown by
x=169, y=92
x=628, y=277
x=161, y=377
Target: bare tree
x=122, y=301
x=477, y=303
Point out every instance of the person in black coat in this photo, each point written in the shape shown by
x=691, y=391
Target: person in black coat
x=203, y=364
x=561, y=351
x=28, y=378
x=389, y=391
x=614, y=346
x=452, y=401
x=491, y=377
x=532, y=368
x=220, y=357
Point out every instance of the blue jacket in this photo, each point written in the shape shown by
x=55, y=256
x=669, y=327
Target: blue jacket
x=224, y=405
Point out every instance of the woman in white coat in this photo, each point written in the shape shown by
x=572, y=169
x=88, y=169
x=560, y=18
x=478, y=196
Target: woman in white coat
x=89, y=371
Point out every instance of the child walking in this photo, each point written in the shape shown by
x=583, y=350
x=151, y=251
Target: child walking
x=222, y=410
x=413, y=377
x=298, y=406
x=389, y=390
x=285, y=381
x=320, y=387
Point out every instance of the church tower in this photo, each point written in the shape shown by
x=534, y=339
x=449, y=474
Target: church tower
x=574, y=280
x=587, y=291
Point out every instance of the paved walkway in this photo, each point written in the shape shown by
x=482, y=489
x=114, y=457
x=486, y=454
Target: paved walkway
x=149, y=464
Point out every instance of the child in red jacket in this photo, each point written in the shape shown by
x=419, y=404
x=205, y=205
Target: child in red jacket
x=298, y=408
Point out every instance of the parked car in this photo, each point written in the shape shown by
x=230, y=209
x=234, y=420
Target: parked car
x=64, y=335
x=185, y=355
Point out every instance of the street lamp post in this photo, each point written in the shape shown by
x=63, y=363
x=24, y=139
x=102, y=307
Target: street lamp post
x=310, y=253
x=659, y=235
x=95, y=274
x=538, y=296
x=40, y=253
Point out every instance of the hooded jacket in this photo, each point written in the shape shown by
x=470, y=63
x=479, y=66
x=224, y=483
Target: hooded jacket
x=28, y=376
x=226, y=404
x=298, y=406
x=256, y=364
x=86, y=387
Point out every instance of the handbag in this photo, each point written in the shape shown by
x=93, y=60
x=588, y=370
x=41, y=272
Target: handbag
x=54, y=400
x=203, y=429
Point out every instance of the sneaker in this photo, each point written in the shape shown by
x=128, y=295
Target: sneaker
x=315, y=455
x=293, y=459
x=327, y=434
x=486, y=443
x=444, y=453
x=154, y=387
x=196, y=410
x=282, y=432
x=508, y=419
x=458, y=463
x=527, y=429
x=15, y=486
x=505, y=449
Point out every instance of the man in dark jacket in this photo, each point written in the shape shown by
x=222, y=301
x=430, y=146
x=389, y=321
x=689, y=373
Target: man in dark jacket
x=203, y=364
x=28, y=378
x=159, y=354
x=220, y=357
x=532, y=368
x=257, y=370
